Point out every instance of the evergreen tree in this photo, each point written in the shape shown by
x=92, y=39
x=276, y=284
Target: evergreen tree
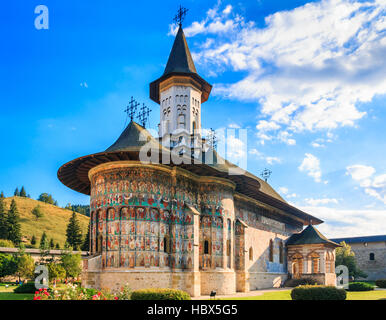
x=2, y=195
x=43, y=241
x=3, y=220
x=52, y=245
x=47, y=198
x=16, y=193
x=22, y=192
x=57, y=246
x=33, y=240
x=86, y=242
x=13, y=224
x=73, y=232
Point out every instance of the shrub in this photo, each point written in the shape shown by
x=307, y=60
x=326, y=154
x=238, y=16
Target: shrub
x=160, y=294
x=360, y=286
x=301, y=282
x=381, y=283
x=318, y=293
x=6, y=243
x=28, y=287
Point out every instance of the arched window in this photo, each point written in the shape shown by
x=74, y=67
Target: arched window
x=271, y=250
x=314, y=262
x=206, y=247
x=250, y=254
x=372, y=256
x=181, y=121
x=194, y=126
x=281, y=252
x=166, y=245
x=228, y=248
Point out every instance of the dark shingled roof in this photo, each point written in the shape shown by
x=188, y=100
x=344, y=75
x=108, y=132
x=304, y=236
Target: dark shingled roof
x=133, y=138
x=180, y=59
x=378, y=238
x=180, y=63
x=309, y=236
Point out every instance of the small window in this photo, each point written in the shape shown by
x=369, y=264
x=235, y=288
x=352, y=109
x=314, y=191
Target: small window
x=165, y=245
x=228, y=248
x=372, y=256
x=271, y=250
x=206, y=247
x=250, y=254
x=281, y=252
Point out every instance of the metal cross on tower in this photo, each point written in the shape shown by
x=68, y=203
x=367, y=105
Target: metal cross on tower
x=180, y=16
x=266, y=174
x=212, y=138
x=143, y=115
x=131, y=109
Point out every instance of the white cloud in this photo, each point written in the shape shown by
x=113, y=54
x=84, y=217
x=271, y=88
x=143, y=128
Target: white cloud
x=317, y=202
x=84, y=84
x=373, y=186
x=268, y=159
x=284, y=191
x=308, y=68
x=311, y=165
x=348, y=223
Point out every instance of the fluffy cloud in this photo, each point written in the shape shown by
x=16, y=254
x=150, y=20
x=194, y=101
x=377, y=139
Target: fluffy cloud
x=267, y=159
x=317, y=202
x=346, y=223
x=311, y=165
x=374, y=186
x=284, y=191
x=308, y=68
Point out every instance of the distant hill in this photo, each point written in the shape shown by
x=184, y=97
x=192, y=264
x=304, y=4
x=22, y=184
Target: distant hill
x=54, y=222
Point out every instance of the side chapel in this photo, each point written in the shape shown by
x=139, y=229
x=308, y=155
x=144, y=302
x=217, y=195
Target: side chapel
x=188, y=224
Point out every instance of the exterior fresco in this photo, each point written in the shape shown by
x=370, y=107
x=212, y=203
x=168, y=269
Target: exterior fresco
x=139, y=224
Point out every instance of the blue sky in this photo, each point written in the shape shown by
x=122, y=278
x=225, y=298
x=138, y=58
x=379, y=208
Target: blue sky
x=307, y=79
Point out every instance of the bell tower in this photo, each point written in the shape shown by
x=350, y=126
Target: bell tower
x=180, y=91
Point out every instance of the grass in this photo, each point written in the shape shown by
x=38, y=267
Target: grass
x=54, y=222
x=8, y=294
x=286, y=295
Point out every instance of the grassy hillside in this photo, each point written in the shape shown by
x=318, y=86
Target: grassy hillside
x=54, y=222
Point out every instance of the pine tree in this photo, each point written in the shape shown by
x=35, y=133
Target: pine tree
x=16, y=193
x=43, y=241
x=22, y=192
x=86, y=242
x=3, y=220
x=33, y=240
x=52, y=245
x=73, y=232
x=2, y=195
x=13, y=224
x=57, y=246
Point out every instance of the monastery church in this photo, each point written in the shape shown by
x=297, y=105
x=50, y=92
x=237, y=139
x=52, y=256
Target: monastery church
x=188, y=225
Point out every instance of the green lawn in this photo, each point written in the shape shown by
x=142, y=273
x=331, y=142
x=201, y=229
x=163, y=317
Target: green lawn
x=8, y=294
x=286, y=295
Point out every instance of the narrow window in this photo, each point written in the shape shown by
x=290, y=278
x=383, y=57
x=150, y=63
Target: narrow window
x=372, y=256
x=250, y=254
x=281, y=253
x=271, y=250
x=228, y=248
x=206, y=247
x=165, y=245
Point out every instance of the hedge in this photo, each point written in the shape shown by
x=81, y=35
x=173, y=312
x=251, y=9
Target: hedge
x=159, y=294
x=28, y=287
x=292, y=283
x=318, y=293
x=381, y=283
x=360, y=286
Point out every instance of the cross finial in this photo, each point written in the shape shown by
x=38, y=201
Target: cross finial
x=212, y=138
x=131, y=109
x=143, y=115
x=180, y=16
x=266, y=174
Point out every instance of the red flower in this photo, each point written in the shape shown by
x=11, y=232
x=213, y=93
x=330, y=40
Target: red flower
x=115, y=298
